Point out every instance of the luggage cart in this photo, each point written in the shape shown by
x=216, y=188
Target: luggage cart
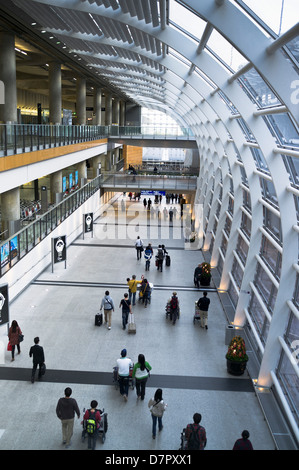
x=103, y=426
x=196, y=314
x=183, y=440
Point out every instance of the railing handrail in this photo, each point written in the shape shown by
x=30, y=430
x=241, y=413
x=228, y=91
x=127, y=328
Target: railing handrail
x=88, y=189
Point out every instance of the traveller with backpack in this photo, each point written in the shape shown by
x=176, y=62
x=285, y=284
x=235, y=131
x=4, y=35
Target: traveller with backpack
x=92, y=418
x=174, y=308
x=195, y=434
x=160, y=258
x=148, y=253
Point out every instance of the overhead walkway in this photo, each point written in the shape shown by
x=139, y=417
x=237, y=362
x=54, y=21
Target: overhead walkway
x=125, y=182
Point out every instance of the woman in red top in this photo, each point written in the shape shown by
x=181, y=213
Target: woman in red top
x=13, y=336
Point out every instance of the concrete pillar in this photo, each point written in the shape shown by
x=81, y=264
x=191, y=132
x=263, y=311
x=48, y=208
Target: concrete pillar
x=122, y=118
x=55, y=103
x=81, y=101
x=10, y=212
x=108, y=109
x=98, y=107
x=82, y=172
x=115, y=111
x=8, y=110
x=56, y=186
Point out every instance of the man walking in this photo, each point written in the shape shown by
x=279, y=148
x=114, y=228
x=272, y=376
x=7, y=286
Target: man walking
x=37, y=353
x=124, y=364
x=195, y=434
x=125, y=303
x=108, y=305
x=65, y=411
x=203, y=306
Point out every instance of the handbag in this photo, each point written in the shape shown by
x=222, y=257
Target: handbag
x=43, y=369
x=21, y=338
x=9, y=347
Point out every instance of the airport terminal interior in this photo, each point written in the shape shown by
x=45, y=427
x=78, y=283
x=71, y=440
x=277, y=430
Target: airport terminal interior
x=174, y=122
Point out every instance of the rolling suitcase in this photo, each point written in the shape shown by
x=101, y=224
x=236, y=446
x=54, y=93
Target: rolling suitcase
x=98, y=319
x=167, y=260
x=131, y=325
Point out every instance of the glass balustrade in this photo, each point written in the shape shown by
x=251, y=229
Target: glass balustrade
x=16, y=247
x=21, y=138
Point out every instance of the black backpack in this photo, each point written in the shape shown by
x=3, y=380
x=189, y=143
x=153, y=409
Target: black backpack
x=193, y=441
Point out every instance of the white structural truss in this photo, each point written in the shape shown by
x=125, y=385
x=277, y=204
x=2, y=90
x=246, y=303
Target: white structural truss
x=219, y=68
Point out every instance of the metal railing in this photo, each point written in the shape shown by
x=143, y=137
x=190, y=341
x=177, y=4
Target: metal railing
x=21, y=138
x=16, y=247
x=149, y=182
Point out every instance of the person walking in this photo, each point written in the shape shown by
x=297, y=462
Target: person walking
x=174, y=306
x=66, y=409
x=94, y=415
x=243, y=443
x=124, y=364
x=157, y=408
x=145, y=292
x=108, y=306
x=195, y=434
x=139, y=247
x=141, y=371
x=203, y=305
x=160, y=258
x=14, y=333
x=133, y=283
x=148, y=254
x=38, y=356
x=125, y=303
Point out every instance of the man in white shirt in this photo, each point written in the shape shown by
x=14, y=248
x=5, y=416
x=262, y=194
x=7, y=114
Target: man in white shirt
x=124, y=364
x=139, y=247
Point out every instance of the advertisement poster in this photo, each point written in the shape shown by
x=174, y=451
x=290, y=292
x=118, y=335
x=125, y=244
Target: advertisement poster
x=59, y=249
x=88, y=222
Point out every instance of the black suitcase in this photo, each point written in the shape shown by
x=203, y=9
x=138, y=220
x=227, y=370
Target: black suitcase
x=167, y=260
x=98, y=319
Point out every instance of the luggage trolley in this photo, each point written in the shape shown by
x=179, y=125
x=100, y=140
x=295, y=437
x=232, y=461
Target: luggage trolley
x=115, y=378
x=102, y=429
x=196, y=313
x=183, y=440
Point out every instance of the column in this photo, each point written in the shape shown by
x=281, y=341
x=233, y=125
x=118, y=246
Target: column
x=10, y=212
x=115, y=109
x=108, y=109
x=98, y=107
x=122, y=118
x=81, y=101
x=8, y=110
x=56, y=186
x=55, y=93
x=82, y=173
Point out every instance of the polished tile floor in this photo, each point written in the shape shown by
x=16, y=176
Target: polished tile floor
x=188, y=362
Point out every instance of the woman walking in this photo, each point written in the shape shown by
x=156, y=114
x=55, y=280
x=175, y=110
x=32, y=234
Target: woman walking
x=141, y=374
x=14, y=338
x=157, y=408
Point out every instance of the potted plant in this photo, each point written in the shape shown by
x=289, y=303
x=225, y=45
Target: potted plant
x=205, y=276
x=236, y=357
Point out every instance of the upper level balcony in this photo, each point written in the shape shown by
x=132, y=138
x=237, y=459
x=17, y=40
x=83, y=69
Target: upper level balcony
x=22, y=138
